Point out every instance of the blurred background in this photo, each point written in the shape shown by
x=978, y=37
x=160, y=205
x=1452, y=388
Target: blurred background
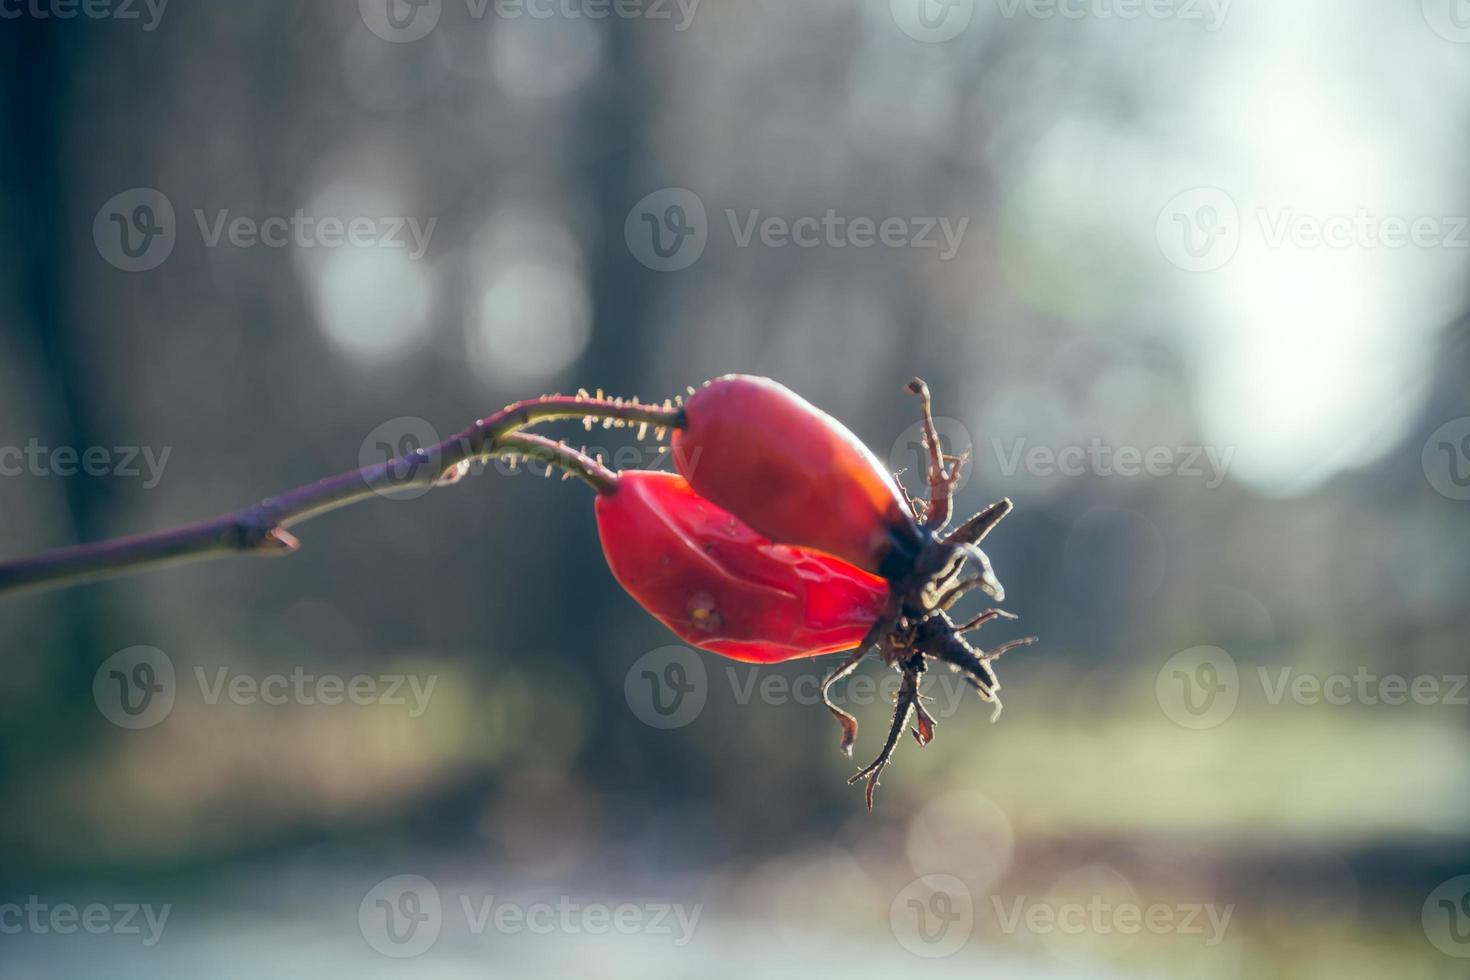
x=1186, y=277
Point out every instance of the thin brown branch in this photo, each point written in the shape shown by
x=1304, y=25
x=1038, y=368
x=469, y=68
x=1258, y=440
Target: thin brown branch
x=261, y=529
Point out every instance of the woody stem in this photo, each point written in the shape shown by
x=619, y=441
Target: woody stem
x=261, y=529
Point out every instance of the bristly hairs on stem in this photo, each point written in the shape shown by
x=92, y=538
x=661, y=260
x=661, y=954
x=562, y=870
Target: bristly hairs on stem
x=261, y=529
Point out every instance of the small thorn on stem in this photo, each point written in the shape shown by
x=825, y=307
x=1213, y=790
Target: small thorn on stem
x=279, y=541
x=454, y=474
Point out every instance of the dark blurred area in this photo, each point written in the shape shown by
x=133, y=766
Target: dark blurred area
x=1187, y=284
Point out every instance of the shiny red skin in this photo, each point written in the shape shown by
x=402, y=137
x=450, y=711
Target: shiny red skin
x=794, y=473
x=719, y=585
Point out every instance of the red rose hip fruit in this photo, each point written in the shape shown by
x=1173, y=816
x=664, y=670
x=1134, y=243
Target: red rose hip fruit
x=719, y=585
x=794, y=474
